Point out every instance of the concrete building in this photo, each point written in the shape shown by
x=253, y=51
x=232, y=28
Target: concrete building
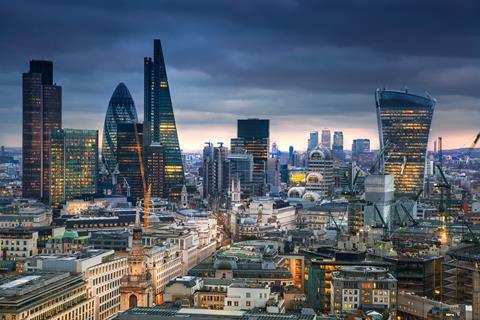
x=277, y=212
x=25, y=213
x=100, y=268
x=46, y=295
x=363, y=288
x=18, y=243
x=415, y=307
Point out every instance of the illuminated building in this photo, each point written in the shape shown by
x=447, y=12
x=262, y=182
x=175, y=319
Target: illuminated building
x=155, y=163
x=337, y=147
x=326, y=139
x=363, y=288
x=313, y=140
x=318, y=275
x=320, y=169
x=73, y=164
x=18, y=243
x=253, y=137
x=404, y=121
x=416, y=307
x=129, y=152
x=46, y=295
x=42, y=112
x=121, y=108
x=159, y=123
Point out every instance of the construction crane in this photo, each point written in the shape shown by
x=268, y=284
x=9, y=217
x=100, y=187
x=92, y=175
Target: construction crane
x=473, y=235
x=445, y=187
x=146, y=191
x=378, y=158
x=472, y=146
x=384, y=225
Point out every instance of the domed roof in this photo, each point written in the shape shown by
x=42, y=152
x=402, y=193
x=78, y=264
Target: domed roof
x=311, y=196
x=320, y=153
x=314, y=178
x=296, y=192
x=121, y=92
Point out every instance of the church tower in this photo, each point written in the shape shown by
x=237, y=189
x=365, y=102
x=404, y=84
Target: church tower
x=184, y=198
x=136, y=287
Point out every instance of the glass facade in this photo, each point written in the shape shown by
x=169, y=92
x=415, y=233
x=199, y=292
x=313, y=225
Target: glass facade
x=42, y=112
x=121, y=108
x=404, y=121
x=154, y=158
x=159, y=120
x=129, y=149
x=253, y=138
x=74, y=164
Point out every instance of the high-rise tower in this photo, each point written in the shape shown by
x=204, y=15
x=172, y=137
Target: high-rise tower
x=159, y=122
x=404, y=121
x=42, y=112
x=121, y=108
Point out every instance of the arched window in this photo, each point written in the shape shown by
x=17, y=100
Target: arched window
x=132, y=301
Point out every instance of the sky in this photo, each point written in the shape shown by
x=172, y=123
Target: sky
x=305, y=65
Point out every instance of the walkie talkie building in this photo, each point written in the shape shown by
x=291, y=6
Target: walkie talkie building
x=404, y=121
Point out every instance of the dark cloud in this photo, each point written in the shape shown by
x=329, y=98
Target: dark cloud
x=227, y=59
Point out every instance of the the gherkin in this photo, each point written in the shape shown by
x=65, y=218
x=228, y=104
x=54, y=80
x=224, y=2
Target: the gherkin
x=121, y=108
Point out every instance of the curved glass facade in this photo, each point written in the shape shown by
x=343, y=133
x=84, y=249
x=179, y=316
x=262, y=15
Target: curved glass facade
x=121, y=108
x=404, y=121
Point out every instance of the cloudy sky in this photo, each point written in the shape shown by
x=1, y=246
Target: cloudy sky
x=306, y=65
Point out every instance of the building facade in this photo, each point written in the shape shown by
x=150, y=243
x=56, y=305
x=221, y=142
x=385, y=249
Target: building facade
x=121, y=108
x=42, y=112
x=155, y=165
x=404, y=121
x=159, y=120
x=253, y=137
x=337, y=147
x=326, y=139
x=73, y=164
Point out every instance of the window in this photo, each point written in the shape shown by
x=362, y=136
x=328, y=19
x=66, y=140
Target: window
x=235, y=303
x=248, y=294
x=229, y=303
x=247, y=303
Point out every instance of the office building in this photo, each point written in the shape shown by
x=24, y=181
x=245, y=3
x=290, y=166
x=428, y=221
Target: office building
x=215, y=170
x=253, y=138
x=337, y=147
x=273, y=175
x=313, y=140
x=360, y=147
x=42, y=112
x=240, y=166
x=73, y=164
x=155, y=173
x=320, y=171
x=18, y=243
x=364, y=288
x=34, y=296
x=25, y=214
x=121, y=108
x=129, y=157
x=326, y=139
x=159, y=123
x=291, y=156
x=404, y=121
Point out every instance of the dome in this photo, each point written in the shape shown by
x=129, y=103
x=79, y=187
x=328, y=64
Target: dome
x=314, y=178
x=121, y=108
x=311, y=196
x=296, y=192
x=320, y=153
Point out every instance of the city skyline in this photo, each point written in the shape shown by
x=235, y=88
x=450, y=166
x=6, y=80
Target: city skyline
x=331, y=75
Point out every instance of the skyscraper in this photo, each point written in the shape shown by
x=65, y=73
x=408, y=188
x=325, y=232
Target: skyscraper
x=121, y=108
x=129, y=155
x=326, y=139
x=253, y=137
x=360, y=147
x=73, y=164
x=154, y=159
x=313, y=140
x=215, y=175
x=337, y=147
x=159, y=122
x=404, y=121
x=42, y=112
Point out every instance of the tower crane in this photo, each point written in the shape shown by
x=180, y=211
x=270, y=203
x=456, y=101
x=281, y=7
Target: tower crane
x=472, y=146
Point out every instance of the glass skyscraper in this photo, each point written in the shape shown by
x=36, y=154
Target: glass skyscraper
x=121, y=108
x=404, y=121
x=42, y=112
x=253, y=138
x=159, y=122
x=73, y=164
